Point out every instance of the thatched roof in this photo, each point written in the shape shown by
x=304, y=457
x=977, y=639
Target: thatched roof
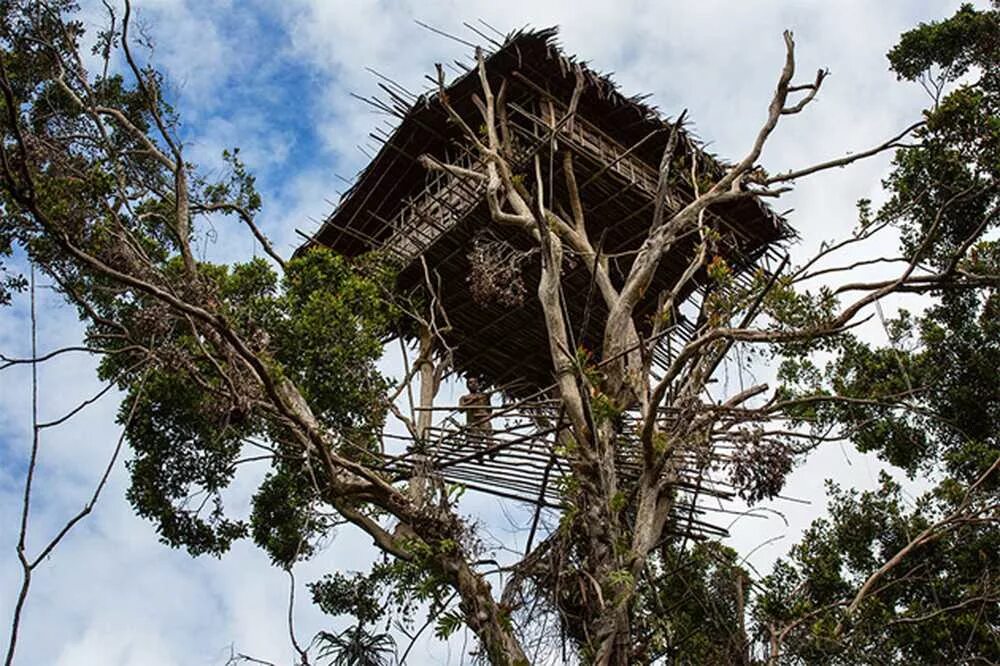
x=383, y=186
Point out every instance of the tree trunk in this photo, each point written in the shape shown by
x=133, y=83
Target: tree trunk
x=419, y=482
x=485, y=617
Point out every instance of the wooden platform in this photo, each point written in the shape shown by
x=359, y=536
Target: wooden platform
x=522, y=462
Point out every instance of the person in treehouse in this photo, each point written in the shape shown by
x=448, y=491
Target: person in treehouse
x=478, y=412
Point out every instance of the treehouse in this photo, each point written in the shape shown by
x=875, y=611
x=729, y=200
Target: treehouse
x=436, y=223
x=433, y=218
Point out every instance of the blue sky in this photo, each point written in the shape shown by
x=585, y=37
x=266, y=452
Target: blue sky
x=274, y=78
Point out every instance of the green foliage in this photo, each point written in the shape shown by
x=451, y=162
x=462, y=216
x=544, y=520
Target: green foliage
x=603, y=407
x=356, y=647
x=240, y=189
x=943, y=197
x=72, y=180
x=329, y=338
x=392, y=589
x=355, y=595
x=970, y=38
x=10, y=282
x=690, y=606
x=284, y=517
x=957, y=160
x=921, y=399
x=928, y=401
x=837, y=554
x=719, y=270
x=878, y=374
x=791, y=309
x=660, y=442
x=183, y=439
x=322, y=326
x=586, y=367
x=448, y=623
x=619, y=580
